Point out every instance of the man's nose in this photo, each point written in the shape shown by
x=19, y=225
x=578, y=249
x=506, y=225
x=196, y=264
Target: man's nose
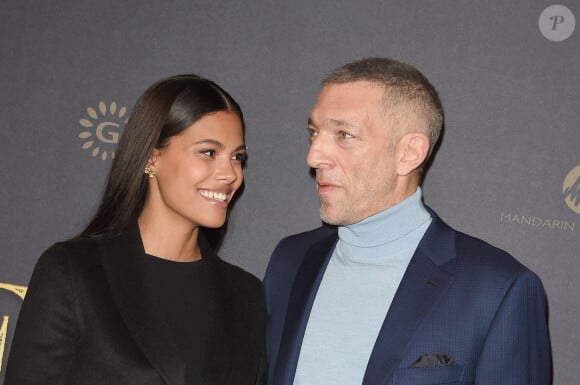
x=319, y=153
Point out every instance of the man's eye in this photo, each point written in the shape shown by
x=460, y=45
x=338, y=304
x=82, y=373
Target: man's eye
x=311, y=132
x=345, y=135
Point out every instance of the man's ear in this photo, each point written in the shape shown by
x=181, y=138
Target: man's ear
x=412, y=152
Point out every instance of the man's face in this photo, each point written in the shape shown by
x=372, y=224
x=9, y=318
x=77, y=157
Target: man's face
x=352, y=150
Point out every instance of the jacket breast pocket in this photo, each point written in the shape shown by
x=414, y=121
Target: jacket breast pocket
x=448, y=375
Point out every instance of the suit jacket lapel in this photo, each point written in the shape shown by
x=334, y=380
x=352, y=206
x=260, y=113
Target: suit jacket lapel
x=422, y=283
x=300, y=303
x=124, y=265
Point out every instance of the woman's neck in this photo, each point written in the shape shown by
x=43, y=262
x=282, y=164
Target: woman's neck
x=169, y=239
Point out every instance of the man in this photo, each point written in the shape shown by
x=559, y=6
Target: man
x=391, y=294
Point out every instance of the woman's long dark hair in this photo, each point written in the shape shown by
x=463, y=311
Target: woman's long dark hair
x=165, y=109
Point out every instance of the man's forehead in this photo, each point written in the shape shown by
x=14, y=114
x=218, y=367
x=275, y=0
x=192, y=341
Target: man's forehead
x=371, y=89
x=356, y=95
x=347, y=104
x=334, y=122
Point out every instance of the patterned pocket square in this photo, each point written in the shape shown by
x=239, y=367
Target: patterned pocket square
x=432, y=360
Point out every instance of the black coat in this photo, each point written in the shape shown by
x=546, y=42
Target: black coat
x=90, y=318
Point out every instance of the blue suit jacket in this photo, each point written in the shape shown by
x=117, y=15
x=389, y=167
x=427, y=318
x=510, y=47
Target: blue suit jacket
x=459, y=297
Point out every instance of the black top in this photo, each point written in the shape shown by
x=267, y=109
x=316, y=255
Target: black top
x=184, y=296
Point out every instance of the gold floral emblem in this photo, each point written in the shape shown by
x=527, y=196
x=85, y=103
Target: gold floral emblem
x=104, y=126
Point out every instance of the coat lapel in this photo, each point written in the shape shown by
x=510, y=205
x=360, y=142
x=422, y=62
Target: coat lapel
x=300, y=303
x=218, y=365
x=422, y=283
x=123, y=259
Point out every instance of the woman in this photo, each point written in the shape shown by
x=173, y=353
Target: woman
x=140, y=297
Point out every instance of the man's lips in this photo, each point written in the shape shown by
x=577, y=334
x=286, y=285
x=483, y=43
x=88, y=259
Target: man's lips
x=324, y=187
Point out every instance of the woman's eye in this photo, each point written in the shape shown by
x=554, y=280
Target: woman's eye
x=240, y=157
x=210, y=153
x=345, y=135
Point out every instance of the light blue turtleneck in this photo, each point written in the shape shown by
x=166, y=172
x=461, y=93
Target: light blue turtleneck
x=356, y=292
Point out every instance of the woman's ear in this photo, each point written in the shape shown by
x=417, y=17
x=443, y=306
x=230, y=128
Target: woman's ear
x=413, y=150
x=153, y=158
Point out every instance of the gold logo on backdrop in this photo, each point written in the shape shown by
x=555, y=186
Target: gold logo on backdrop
x=571, y=190
x=104, y=126
x=21, y=292
x=570, y=194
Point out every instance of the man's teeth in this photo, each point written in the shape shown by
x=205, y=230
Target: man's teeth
x=214, y=195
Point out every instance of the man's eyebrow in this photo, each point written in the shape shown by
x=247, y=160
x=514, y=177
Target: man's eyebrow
x=336, y=122
x=343, y=123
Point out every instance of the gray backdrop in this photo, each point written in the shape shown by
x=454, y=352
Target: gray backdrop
x=508, y=74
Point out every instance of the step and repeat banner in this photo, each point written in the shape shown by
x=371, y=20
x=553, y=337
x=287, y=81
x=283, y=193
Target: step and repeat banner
x=507, y=171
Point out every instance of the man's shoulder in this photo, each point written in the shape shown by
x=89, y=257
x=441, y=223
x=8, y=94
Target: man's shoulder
x=484, y=256
x=291, y=250
x=307, y=238
x=475, y=254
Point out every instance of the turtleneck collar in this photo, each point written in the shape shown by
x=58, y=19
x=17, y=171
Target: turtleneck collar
x=387, y=226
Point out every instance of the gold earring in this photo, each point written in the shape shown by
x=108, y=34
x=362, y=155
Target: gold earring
x=149, y=172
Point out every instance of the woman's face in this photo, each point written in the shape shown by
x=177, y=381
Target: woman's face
x=199, y=171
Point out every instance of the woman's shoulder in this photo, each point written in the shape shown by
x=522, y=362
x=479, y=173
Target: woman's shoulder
x=73, y=245
x=244, y=289
x=244, y=282
x=56, y=268
x=235, y=272
x=77, y=248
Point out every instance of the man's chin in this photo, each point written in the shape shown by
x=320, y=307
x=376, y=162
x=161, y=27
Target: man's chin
x=330, y=219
